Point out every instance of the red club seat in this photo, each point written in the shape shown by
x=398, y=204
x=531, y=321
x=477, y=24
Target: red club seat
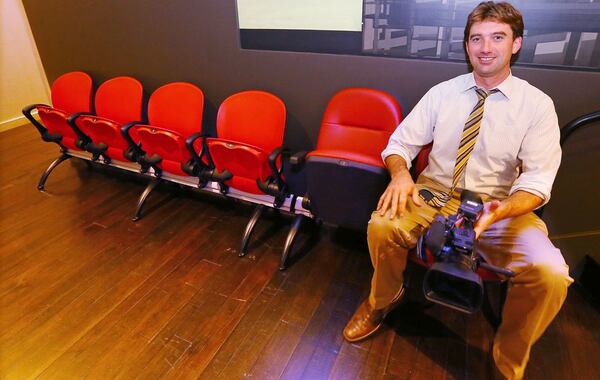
x=247, y=152
x=70, y=93
x=250, y=127
x=118, y=101
x=345, y=174
x=174, y=121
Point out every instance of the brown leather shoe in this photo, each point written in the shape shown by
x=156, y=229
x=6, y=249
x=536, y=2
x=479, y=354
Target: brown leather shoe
x=366, y=320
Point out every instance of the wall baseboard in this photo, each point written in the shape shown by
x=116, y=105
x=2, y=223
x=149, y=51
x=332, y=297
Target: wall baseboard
x=16, y=122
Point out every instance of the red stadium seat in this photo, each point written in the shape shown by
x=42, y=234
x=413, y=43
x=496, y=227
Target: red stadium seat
x=345, y=173
x=247, y=152
x=71, y=93
x=118, y=101
x=250, y=127
x=170, y=140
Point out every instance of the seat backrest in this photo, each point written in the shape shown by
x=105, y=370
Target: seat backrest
x=177, y=106
x=359, y=120
x=120, y=99
x=420, y=162
x=72, y=92
x=254, y=118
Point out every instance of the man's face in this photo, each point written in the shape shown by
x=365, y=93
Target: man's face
x=490, y=47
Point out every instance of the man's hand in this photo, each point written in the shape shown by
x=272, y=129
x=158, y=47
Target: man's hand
x=399, y=189
x=519, y=203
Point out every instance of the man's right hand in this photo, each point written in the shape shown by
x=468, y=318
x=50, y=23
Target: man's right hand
x=399, y=189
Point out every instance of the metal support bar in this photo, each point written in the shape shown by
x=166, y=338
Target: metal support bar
x=151, y=186
x=47, y=172
x=289, y=241
x=258, y=210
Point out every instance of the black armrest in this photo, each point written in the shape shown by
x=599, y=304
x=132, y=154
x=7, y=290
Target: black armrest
x=189, y=144
x=567, y=131
x=298, y=158
x=83, y=138
x=573, y=125
x=225, y=175
x=27, y=113
x=283, y=152
x=195, y=165
x=135, y=148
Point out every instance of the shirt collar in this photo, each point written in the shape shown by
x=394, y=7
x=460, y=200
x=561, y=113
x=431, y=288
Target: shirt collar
x=505, y=87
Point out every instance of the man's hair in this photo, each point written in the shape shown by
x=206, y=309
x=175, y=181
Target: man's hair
x=500, y=12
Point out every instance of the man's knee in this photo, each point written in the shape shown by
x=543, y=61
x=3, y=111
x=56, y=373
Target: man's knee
x=552, y=275
x=385, y=229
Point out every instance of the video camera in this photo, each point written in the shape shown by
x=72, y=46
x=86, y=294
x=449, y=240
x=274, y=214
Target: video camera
x=453, y=280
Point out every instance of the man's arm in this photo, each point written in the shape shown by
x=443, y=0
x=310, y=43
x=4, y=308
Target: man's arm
x=415, y=131
x=518, y=203
x=399, y=189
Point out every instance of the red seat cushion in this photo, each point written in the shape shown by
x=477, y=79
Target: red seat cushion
x=104, y=131
x=247, y=163
x=55, y=121
x=169, y=145
x=348, y=156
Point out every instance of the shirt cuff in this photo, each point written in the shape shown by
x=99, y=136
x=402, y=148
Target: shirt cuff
x=390, y=152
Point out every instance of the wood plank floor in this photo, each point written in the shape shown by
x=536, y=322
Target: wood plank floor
x=87, y=294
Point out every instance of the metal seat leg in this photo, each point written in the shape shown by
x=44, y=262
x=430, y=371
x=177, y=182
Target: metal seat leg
x=258, y=210
x=151, y=186
x=289, y=241
x=47, y=172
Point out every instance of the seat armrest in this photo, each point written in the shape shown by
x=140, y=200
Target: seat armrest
x=137, y=150
x=284, y=153
x=298, y=158
x=575, y=124
x=27, y=113
x=195, y=166
x=189, y=144
x=83, y=138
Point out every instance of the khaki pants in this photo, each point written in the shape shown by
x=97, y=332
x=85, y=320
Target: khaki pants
x=535, y=295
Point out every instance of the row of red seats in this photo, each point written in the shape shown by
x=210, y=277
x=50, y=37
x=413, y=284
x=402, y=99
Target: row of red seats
x=344, y=173
x=246, y=156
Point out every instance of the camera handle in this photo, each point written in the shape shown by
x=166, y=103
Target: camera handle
x=495, y=269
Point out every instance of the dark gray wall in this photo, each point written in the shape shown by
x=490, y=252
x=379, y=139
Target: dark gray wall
x=197, y=41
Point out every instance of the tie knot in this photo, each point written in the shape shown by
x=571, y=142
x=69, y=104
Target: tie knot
x=482, y=94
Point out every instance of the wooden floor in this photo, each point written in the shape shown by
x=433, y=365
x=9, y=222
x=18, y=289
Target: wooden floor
x=87, y=294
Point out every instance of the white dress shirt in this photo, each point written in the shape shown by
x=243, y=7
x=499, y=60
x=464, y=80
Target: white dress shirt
x=518, y=147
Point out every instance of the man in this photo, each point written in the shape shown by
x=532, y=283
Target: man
x=494, y=134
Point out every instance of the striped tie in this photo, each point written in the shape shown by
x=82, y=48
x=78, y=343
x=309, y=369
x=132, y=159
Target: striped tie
x=467, y=142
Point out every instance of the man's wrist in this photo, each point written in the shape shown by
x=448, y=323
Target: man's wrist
x=400, y=172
